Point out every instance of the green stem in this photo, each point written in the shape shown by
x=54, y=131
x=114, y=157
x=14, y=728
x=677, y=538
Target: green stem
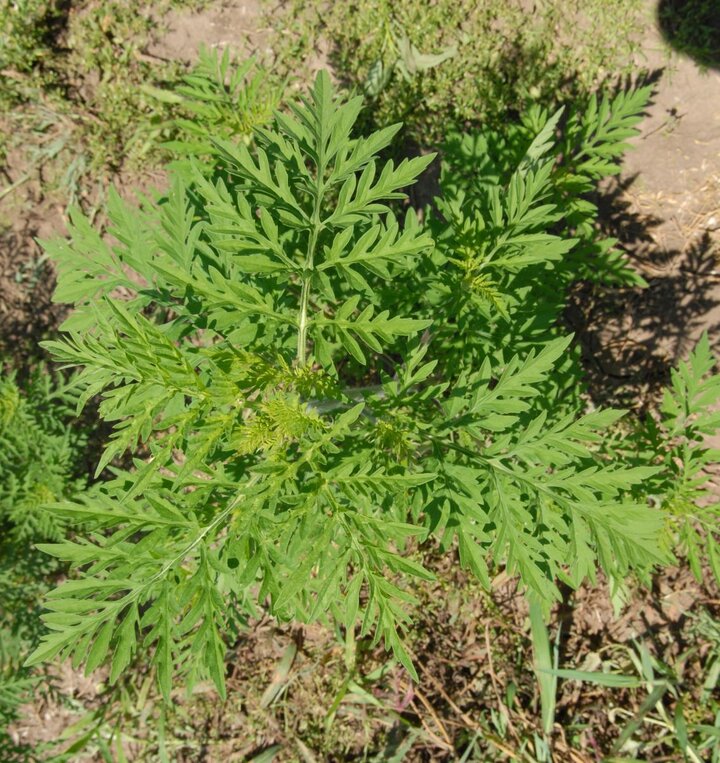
x=317, y=226
x=305, y=295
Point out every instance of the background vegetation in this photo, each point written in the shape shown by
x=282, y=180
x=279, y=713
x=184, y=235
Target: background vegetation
x=448, y=63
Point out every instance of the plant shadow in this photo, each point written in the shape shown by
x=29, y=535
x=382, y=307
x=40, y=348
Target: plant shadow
x=632, y=337
x=27, y=312
x=692, y=28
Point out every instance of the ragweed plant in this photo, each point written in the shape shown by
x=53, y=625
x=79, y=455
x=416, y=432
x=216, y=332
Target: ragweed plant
x=250, y=338
x=681, y=439
x=515, y=227
x=41, y=452
x=219, y=98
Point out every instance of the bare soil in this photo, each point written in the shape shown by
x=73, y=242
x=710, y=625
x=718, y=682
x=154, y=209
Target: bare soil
x=235, y=24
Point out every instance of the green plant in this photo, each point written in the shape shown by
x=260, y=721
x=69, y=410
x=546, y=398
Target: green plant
x=86, y=109
x=26, y=29
x=251, y=336
x=692, y=28
x=677, y=707
x=677, y=439
x=689, y=415
x=39, y=453
x=40, y=461
x=449, y=62
x=218, y=98
x=515, y=228
x=119, y=124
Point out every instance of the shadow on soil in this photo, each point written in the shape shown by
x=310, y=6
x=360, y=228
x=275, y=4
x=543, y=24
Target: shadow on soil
x=692, y=27
x=633, y=337
x=27, y=313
